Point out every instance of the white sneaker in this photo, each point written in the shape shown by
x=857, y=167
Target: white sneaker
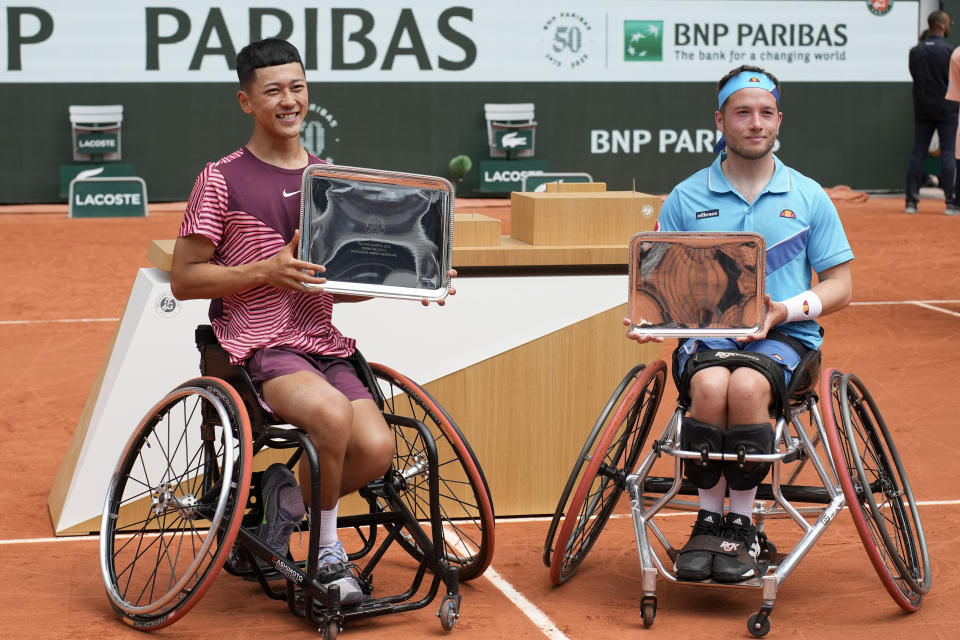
x=334, y=568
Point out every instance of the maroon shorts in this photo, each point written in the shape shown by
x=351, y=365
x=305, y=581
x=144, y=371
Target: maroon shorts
x=273, y=362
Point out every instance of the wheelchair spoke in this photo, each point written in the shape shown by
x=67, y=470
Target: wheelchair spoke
x=174, y=495
x=464, y=507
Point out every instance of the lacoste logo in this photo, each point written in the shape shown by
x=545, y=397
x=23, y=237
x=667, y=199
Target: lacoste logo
x=513, y=139
x=292, y=193
x=729, y=546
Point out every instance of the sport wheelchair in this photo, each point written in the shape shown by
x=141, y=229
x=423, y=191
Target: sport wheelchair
x=184, y=500
x=850, y=457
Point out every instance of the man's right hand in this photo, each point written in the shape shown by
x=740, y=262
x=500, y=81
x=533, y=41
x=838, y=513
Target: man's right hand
x=285, y=271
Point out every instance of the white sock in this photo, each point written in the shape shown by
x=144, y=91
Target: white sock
x=742, y=502
x=328, y=526
x=712, y=499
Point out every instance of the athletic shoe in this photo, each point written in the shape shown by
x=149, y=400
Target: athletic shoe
x=695, y=561
x=737, y=560
x=283, y=508
x=334, y=568
x=910, y=208
x=953, y=210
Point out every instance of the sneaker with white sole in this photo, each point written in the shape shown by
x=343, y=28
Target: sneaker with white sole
x=335, y=568
x=737, y=560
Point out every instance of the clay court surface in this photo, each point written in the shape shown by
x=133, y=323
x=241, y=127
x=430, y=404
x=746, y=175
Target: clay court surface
x=64, y=286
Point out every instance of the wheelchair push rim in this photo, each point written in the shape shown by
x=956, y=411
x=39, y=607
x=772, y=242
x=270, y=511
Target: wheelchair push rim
x=466, y=509
x=866, y=458
x=582, y=458
x=611, y=452
x=170, y=515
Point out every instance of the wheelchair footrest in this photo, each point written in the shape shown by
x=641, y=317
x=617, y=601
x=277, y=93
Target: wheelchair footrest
x=756, y=581
x=793, y=493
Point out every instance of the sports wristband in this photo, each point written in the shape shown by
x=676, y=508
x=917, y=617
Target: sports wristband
x=804, y=306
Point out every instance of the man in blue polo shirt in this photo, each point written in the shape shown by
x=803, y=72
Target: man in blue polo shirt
x=747, y=188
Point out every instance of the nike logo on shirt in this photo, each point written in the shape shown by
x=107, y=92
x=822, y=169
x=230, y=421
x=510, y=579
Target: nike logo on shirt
x=287, y=195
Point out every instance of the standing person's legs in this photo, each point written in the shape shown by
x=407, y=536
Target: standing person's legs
x=922, y=132
x=947, y=131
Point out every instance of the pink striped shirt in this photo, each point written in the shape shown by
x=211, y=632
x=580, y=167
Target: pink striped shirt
x=250, y=209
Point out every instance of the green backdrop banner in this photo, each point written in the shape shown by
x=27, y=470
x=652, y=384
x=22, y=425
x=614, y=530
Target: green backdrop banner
x=858, y=134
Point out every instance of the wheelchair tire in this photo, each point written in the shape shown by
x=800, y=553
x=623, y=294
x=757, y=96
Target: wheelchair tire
x=886, y=515
x=466, y=508
x=609, y=455
x=175, y=503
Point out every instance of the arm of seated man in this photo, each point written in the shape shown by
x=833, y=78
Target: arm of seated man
x=193, y=276
x=834, y=288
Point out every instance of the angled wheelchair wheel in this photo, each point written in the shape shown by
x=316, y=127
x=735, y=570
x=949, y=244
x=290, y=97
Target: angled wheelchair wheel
x=466, y=509
x=175, y=502
x=877, y=490
x=609, y=455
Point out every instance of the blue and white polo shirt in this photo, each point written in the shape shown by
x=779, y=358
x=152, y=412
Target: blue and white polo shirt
x=793, y=213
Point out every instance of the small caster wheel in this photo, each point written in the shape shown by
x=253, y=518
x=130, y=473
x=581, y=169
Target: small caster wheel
x=330, y=630
x=758, y=625
x=648, y=606
x=448, y=614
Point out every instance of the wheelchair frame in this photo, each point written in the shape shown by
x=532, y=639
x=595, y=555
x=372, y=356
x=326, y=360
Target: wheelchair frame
x=206, y=500
x=852, y=453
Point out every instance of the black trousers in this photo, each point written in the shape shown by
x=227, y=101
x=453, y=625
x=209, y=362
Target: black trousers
x=946, y=128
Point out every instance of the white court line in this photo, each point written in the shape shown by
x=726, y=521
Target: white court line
x=61, y=321
x=500, y=521
x=933, y=308
x=520, y=601
x=924, y=304
x=526, y=607
x=906, y=302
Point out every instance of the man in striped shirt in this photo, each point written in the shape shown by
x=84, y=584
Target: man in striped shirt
x=237, y=246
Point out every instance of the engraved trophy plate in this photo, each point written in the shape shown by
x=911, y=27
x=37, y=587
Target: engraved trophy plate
x=697, y=284
x=378, y=233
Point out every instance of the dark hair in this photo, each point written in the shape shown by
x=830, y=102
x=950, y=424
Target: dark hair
x=938, y=20
x=269, y=52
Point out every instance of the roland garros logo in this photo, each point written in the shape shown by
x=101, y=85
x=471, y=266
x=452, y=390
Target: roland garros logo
x=879, y=7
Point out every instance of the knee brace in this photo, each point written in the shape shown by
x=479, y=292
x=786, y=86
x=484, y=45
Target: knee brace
x=701, y=437
x=748, y=439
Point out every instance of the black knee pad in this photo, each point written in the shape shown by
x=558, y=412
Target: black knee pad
x=750, y=439
x=700, y=436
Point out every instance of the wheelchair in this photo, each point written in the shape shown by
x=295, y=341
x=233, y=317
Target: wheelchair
x=184, y=502
x=820, y=465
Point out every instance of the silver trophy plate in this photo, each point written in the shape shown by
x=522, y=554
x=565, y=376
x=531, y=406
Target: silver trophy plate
x=697, y=284
x=378, y=233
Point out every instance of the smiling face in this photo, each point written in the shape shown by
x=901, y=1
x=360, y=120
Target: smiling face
x=277, y=99
x=750, y=121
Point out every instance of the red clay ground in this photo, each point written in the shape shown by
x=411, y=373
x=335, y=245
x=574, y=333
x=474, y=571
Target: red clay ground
x=55, y=269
